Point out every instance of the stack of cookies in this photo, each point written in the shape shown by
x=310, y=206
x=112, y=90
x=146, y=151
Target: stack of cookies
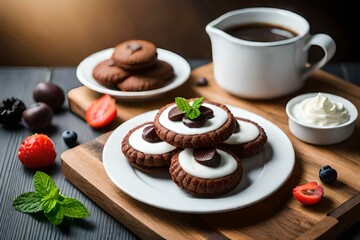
x=202, y=154
x=133, y=66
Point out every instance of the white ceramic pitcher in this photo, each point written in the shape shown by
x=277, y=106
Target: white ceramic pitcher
x=264, y=70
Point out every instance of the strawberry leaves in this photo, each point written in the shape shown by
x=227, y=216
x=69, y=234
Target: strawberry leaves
x=47, y=198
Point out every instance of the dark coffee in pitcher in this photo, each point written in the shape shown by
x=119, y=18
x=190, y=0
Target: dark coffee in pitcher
x=260, y=32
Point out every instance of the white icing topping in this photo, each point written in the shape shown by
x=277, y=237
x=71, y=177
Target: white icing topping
x=138, y=143
x=248, y=132
x=187, y=161
x=219, y=119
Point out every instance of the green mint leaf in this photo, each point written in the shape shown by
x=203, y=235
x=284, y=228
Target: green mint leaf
x=74, y=208
x=182, y=104
x=56, y=215
x=194, y=113
x=50, y=200
x=47, y=198
x=49, y=205
x=197, y=103
x=43, y=184
x=29, y=202
x=53, y=195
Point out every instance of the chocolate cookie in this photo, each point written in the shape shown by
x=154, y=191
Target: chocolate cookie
x=248, y=141
x=151, y=78
x=146, y=156
x=108, y=74
x=135, y=55
x=136, y=83
x=215, y=130
x=204, y=181
x=161, y=70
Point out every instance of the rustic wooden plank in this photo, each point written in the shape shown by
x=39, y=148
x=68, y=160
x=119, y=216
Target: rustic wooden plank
x=278, y=214
x=336, y=221
x=321, y=230
x=80, y=166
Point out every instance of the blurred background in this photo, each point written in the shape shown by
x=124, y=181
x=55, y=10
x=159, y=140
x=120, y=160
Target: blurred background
x=63, y=32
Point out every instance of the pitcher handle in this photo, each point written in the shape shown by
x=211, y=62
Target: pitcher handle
x=328, y=46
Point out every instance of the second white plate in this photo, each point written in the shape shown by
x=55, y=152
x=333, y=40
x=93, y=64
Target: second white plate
x=180, y=65
x=263, y=174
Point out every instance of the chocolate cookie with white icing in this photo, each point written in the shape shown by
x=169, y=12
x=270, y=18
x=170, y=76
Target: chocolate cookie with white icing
x=221, y=174
x=145, y=151
x=248, y=139
x=194, y=123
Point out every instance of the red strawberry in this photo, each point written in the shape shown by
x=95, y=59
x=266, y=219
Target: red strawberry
x=310, y=193
x=37, y=151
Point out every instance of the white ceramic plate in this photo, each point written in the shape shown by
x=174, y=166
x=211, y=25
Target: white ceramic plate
x=85, y=68
x=263, y=174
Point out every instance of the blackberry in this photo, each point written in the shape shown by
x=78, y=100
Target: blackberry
x=11, y=110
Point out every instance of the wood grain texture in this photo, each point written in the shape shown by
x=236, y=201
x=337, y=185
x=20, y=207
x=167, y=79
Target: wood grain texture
x=278, y=216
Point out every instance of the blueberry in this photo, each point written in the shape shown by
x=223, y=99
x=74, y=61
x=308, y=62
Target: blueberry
x=327, y=174
x=70, y=138
x=201, y=82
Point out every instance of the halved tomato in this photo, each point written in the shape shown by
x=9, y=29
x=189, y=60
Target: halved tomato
x=101, y=112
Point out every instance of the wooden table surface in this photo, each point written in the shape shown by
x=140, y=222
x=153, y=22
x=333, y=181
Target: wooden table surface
x=15, y=179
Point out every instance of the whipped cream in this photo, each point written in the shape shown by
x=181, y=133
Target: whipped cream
x=187, y=161
x=320, y=111
x=219, y=119
x=248, y=132
x=138, y=143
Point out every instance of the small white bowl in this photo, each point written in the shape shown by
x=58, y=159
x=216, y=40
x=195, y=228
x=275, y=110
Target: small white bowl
x=321, y=135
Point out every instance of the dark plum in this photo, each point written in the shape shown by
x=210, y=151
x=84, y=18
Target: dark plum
x=50, y=94
x=38, y=116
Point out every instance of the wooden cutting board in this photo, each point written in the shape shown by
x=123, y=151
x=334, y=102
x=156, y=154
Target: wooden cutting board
x=278, y=216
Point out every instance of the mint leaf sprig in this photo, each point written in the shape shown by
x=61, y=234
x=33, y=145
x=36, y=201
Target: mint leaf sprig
x=47, y=198
x=191, y=111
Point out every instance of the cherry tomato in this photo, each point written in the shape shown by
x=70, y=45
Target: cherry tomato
x=101, y=112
